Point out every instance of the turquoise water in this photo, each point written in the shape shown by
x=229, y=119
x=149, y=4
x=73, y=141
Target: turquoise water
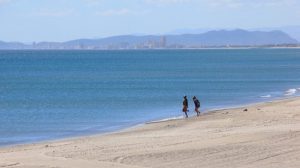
x=54, y=94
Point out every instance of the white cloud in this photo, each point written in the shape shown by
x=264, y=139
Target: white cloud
x=115, y=12
x=93, y=2
x=167, y=2
x=251, y=3
x=2, y=2
x=54, y=13
x=276, y=3
x=227, y=3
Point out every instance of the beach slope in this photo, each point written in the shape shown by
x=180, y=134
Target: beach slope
x=265, y=135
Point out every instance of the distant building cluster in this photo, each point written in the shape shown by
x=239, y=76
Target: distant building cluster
x=149, y=44
x=160, y=43
x=153, y=44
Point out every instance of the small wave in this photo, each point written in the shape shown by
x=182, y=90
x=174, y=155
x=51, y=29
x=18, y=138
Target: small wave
x=290, y=92
x=166, y=119
x=266, y=96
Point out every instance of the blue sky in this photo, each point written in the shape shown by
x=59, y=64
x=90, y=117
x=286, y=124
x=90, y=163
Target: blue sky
x=61, y=20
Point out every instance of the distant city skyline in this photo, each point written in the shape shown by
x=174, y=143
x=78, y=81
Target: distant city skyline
x=63, y=20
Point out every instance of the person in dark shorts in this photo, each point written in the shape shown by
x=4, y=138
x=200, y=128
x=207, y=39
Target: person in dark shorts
x=197, y=105
x=185, y=106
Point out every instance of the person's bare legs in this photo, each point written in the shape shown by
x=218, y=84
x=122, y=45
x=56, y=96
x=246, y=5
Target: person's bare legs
x=198, y=112
x=186, y=115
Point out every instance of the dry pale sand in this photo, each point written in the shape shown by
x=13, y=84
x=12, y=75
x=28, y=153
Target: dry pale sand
x=265, y=136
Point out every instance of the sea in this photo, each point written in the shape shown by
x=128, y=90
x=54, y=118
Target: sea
x=46, y=94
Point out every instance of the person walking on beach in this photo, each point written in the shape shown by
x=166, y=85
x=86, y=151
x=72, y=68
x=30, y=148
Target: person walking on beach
x=185, y=106
x=197, y=105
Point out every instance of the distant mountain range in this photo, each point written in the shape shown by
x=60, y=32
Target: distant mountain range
x=293, y=31
x=220, y=38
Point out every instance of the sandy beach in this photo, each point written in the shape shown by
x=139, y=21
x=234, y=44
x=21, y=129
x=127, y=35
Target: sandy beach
x=266, y=135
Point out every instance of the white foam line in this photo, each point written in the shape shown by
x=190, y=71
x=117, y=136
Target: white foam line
x=290, y=92
x=266, y=96
x=166, y=119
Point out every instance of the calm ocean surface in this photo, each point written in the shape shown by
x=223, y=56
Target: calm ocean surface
x=54, y=94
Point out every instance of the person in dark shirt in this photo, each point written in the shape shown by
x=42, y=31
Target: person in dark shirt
x=197, y=105
x=185, y=106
